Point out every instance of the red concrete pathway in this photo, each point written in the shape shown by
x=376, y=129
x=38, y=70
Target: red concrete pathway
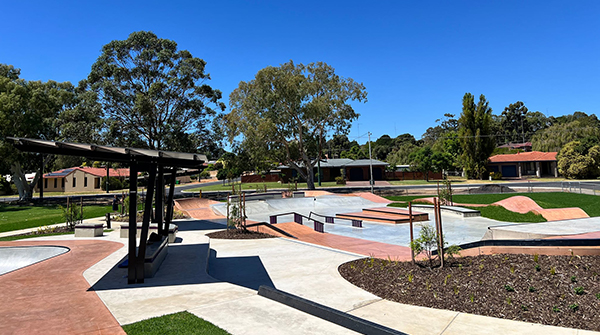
x=52, y=297
x=355, y=245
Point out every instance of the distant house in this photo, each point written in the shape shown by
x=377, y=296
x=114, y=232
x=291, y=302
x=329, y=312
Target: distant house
x=79, y=179
x=534, y=163
x=352, y=170
x=522, y=146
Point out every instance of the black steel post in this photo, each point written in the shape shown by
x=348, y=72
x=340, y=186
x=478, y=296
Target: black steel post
x=145, y=225
x=131, y=267
x=169, y=216
x=108, y=177
x=159, y=208
x=41, y=183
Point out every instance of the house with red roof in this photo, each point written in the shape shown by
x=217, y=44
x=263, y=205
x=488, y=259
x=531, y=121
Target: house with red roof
x=534, y=163
x=79, y=179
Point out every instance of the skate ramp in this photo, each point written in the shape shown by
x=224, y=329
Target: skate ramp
x=193, y=203
x=14, y=258
x=519, y=204
x=198, y=208
x=541, y=230
x=522, y=204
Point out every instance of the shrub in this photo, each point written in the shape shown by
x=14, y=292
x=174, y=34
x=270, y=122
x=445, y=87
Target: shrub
x=579, y=290
x=532, y=289
x=509, y=288
x=426, y=242
x=340, y=180
x=205, y=174
x=496, y=175
x=73, y=214
x=113, y=183
x=574, y=307
x=5, y=186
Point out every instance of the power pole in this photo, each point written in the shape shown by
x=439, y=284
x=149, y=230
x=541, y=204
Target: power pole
x=370, y=162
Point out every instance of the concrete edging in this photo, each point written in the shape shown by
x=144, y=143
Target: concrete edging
x=326, y=313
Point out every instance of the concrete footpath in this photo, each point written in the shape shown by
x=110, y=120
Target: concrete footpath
x=217, y=281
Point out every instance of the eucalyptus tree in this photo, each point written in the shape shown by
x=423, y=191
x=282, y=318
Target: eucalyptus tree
x=154, y=94
x=29, y=109
x=285, y=113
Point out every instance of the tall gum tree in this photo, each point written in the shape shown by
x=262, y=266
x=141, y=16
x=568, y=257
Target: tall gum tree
x=285, y=113
x=29, y=109
x=153, y=94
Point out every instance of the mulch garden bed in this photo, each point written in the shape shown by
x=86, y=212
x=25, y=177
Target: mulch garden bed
x=238, y=234
x=552, y=290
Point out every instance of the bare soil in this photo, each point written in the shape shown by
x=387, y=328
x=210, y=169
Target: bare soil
x=238, y=234
x=552, y=290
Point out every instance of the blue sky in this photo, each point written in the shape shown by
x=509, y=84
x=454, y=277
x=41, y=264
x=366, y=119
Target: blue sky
x=416, y=58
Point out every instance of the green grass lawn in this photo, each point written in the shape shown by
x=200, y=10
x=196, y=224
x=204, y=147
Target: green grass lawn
x=178, y=323
x=260, y=186
x=21, y=217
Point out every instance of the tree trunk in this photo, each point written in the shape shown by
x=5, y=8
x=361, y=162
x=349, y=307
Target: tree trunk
x=25, y=190
x=310, y=178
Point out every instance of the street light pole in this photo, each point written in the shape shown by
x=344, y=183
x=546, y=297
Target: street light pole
x=370, y=162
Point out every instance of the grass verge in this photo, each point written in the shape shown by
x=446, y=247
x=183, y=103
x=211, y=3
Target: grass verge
x=22, y=217
x=178, y=323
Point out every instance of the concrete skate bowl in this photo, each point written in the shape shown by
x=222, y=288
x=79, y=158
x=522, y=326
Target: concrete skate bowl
x=15, y=258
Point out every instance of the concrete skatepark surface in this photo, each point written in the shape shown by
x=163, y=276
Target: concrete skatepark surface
x=235, y=268
x=14, y=258
x=457, y=230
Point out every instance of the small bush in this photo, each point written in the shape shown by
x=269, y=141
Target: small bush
x=496, y=175
x=114, y=183
x=538, y=267
x=579, y=290
x=555, y=309
x=509, y=288
x=532, y=289
x=573, y=279
x=574, y=307
x=340, y=180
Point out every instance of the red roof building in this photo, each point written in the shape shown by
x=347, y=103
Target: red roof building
x=79, y=179
x=534, y=163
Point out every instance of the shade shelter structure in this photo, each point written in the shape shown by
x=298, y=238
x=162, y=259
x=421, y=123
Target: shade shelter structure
x=157, y=163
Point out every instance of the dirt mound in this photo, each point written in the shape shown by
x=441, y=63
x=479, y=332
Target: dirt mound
x=492, y=188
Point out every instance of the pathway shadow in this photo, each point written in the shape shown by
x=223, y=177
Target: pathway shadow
x=246, y=271
x=200, y=225
x=187, y=264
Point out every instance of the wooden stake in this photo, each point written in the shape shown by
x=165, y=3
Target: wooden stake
x=441, y=235
x=410, y=218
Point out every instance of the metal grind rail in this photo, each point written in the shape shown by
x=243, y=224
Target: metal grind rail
x=330, y=219
x=318, y=225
